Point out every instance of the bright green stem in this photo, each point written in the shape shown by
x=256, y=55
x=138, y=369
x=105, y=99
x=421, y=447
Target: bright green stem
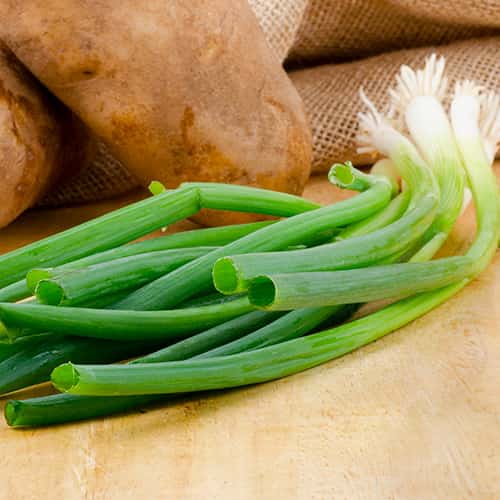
x=245, y=199
x=119, y=325
x=290, y=326
x=9, y=349
x=217, y=236
x=428, y=251
x=234, y=273
x=212, y=338
x=196, y=277
x=66, y=407
x=14, y=292
x=346, y=176
x=138, y=219
x=283, y=292
x=107, y=231
x=30, y=361
x=245, y=368
x=75, y=287
x=388, y=215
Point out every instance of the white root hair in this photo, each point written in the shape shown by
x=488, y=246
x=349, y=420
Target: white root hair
x=467, y=88
x=429, y=81
x=376, y=131
x=489, y=123
x=369, y=121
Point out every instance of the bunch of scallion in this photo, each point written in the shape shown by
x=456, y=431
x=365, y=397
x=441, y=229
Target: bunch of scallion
x=225, y=307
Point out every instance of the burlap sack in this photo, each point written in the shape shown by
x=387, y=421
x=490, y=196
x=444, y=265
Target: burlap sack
x=344, y=30
x=318, y=33
x=105, y=178
x=331, y=91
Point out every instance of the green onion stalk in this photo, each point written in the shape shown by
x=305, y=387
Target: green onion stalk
x=299, y=354
x=30, y=361
x=396, y=208
x=52, y=357
x=234, y=273
x=74, y=287
x=419, y=95
x=100, y=234
x=187, y=239
x=196, y=276
x=142, y=217
x=111, y=324
x=136, y=220
x=404, y=279
x=249, y=332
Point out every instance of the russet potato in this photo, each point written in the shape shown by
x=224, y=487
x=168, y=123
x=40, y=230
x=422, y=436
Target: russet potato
x=40, y=140
x=179, y=91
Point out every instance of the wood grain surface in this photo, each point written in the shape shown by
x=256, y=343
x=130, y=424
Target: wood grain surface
x=415, y=415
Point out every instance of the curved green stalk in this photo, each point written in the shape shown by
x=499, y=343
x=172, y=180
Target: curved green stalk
x=290, y=326
x=195, y=277
x=204, y=237
x=388, y=215
x=283, y=292
x=32, y=359
x=78, y=286
x=66, y=407
x=143, y=217
x=213, y=337
x=216, y=236
x=14, y=292
x=118, y=324
x=245, y=368
x=234, y=273
x=110, y=230
x=238, y=198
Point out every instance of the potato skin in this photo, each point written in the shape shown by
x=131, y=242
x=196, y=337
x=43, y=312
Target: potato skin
x=180, y=91
x=38, y=139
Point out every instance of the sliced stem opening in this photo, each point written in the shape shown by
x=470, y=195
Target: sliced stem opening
x=49, y=292
x=65, y=377
x=262, y=291
x=225, y=276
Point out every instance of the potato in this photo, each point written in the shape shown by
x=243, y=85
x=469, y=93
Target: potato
x=179, y=91
x=39, y=139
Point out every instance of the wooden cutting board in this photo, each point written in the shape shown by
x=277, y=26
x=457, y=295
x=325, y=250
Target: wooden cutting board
x=415, y=415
